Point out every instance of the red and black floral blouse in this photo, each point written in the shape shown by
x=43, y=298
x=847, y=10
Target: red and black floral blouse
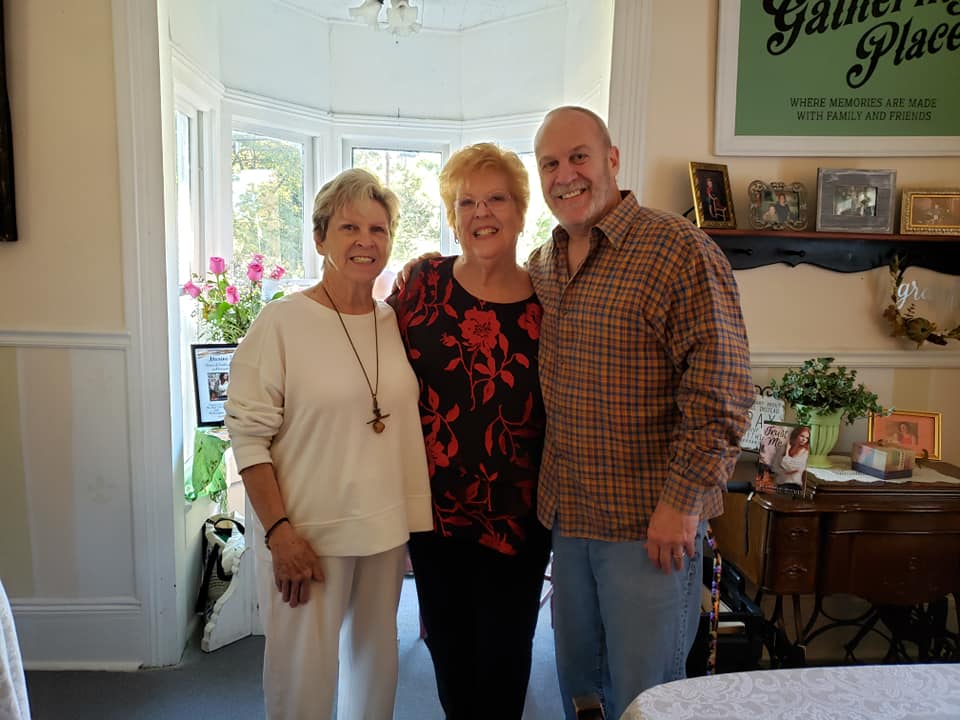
x=480, y=405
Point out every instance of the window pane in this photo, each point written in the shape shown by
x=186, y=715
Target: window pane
x=539, y=222
x=412, y=175
x=268, y=200
x=186, y=200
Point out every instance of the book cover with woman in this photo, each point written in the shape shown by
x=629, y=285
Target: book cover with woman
x=784, y=449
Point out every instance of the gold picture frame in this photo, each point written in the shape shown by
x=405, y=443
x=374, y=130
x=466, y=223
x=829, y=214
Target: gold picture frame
x=930, y=212
x=712, y=199
x=777, y=205
x=911, y=429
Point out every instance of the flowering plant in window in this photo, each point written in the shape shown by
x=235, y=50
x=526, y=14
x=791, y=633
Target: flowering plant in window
x=227, y=307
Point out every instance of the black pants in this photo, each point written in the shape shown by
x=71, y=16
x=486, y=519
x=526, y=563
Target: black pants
x=479, y=608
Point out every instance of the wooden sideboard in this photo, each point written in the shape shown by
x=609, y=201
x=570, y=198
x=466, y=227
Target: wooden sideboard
x=893, y=545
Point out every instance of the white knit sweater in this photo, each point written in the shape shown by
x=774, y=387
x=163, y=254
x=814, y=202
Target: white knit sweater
x=298, y=399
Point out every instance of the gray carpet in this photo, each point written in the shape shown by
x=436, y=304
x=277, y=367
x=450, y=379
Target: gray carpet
x=225, y=685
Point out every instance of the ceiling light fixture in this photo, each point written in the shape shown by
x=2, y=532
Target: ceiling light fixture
x=401, y=15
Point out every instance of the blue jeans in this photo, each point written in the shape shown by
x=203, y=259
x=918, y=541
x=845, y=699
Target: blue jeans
x=621, y=626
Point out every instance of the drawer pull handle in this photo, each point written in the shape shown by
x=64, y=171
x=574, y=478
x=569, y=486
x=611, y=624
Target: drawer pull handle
x=794, y=571
x=797, y=533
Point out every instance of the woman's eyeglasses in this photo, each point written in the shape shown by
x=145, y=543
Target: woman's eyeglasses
x=494, y=202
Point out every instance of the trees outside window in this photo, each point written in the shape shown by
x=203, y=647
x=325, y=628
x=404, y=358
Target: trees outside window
x=268, y=199
x=412, y=175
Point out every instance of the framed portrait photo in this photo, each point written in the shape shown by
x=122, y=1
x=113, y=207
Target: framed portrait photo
x=908, y=429
x=777, y=205
x=860, y=201
x=930, y=212
x=211, y=379
x=712, y=199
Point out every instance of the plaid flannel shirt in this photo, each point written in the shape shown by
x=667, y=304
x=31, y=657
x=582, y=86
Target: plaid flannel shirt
x=645, y=372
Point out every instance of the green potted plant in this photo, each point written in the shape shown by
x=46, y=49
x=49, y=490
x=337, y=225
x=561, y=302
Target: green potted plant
x=824, y=395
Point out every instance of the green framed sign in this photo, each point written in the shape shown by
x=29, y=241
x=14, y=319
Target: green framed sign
x=838, y=77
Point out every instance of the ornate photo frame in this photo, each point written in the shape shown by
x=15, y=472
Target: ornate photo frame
x=930, y=212
x=855, y=201
x=712, y=199
x=910, y=429
x=777, y=205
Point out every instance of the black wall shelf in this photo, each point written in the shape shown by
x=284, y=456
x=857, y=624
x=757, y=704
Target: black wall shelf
x=840, y=252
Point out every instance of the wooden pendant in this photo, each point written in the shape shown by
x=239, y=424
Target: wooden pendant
x=378, y=418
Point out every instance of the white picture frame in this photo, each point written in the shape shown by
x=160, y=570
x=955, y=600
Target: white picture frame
x=727, y=142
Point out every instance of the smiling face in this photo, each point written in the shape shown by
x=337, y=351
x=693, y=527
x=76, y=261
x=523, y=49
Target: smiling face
x=486, y=216
x=578, y=170
x=357, y=243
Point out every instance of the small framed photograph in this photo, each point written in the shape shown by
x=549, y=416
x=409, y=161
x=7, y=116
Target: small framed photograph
x=211, y=378
x=930, y=212
x=860, y=201
x=909, y=429
x=777, y=205
x=711, y=195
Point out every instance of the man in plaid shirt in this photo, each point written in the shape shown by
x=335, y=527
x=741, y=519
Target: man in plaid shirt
x=645, y=371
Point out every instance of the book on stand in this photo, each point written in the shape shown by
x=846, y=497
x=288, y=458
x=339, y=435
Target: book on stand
x=784, y=449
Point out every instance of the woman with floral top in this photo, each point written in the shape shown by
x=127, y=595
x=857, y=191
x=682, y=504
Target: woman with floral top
x=471, y=325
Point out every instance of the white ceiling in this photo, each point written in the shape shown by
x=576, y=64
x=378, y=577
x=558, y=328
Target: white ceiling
x=439, y=14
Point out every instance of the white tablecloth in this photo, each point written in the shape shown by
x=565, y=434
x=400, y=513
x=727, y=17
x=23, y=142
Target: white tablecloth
x=13, y=690
x=856, y=692
x=841, y=472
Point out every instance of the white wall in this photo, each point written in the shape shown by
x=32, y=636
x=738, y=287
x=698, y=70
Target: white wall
x=513, y=67
x=195, y=27
x=586, y=65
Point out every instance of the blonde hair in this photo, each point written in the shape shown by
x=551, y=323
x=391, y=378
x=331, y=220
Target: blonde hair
x=483, y=156
x=349, y=187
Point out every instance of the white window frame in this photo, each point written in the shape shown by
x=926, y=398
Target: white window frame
x=199, y=96
x=348, y=143
x=307, y=252
x=284, y=121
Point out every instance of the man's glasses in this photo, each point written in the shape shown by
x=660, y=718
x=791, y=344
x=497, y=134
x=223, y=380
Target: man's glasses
x=494, y=202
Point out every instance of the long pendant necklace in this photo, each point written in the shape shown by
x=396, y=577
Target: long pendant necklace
x=378, y=417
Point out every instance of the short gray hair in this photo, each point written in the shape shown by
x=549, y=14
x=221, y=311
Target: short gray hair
x=349, y=187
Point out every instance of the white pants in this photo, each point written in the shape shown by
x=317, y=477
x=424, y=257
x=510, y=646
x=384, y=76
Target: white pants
x=338, y=649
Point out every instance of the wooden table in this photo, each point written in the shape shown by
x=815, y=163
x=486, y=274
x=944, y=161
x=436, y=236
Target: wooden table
x=895, y=545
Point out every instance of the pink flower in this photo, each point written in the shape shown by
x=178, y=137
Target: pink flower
x=218, y=265
x=258, y=258
x=255, y=270
x=191, y=289
x=233, y=297
x=277, y=273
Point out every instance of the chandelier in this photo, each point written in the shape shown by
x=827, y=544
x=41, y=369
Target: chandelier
x=401, y=15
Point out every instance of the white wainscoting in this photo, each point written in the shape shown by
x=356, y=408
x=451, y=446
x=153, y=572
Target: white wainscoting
x=86, y=611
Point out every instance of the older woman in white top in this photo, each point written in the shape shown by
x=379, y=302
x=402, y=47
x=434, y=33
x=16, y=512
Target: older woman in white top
x=322, y=414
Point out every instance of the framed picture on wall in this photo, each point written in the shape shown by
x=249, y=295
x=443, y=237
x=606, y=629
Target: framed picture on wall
x=211, y=379
x=777, y=205
x=909, y=429
x=797, y=79
x=930, y=212
x=712, y=199
x=860, y=201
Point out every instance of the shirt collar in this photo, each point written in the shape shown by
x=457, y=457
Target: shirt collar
x=613, y=226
